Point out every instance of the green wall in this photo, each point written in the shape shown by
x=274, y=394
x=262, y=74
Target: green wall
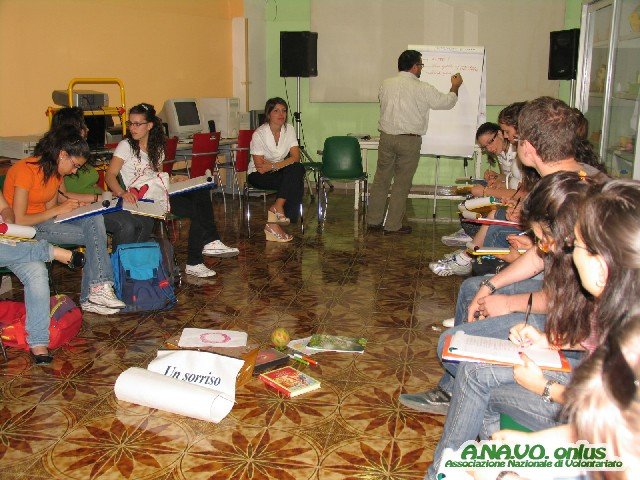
x=321, y=120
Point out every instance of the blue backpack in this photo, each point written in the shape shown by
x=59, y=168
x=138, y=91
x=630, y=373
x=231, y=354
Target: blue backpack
x=140, y=278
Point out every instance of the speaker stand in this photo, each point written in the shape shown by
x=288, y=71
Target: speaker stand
x=297, y=120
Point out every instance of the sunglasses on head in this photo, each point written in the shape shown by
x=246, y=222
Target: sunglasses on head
x=618, y=375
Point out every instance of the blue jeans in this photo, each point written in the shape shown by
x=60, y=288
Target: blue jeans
x=91, y=233
x=26, y=261
x=494, y=327
x=481, y=392
x=497, y=234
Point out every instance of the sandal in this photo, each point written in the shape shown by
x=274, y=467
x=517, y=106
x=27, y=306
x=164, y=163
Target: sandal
x=273, y=236
x=76, y=261
x=275, y=217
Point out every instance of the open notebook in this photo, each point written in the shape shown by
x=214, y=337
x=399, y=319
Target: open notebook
x=461, y=347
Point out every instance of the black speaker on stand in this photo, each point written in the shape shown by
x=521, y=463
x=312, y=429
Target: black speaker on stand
x=563, y=54
x=299, y=58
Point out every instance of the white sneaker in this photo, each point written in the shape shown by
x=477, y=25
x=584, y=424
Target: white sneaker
x=449, y=322
x=104, y=296
x=200, y=271
x=458, y=239
x=460, y=264
x=219, y=249
x=92, y=307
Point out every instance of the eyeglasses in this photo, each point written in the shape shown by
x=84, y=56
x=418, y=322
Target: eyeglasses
x=617, y=374
x=570, y=245
x=493, y=139
x=420, y=64
x=134, y=124
x=75, y=165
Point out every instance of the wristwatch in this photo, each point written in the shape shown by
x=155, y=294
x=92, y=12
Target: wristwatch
x=487, y=283
x=546, y=393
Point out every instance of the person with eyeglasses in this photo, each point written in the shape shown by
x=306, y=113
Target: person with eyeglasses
x=32, y=189
x=602, y=400
x=123, y=226
x=140, y=155
x=405, y=102
x=525, y=392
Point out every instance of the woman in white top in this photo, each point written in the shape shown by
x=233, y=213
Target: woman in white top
x=141, y=154
x=275, y=165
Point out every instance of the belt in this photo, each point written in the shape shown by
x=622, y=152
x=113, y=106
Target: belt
x=409, y=135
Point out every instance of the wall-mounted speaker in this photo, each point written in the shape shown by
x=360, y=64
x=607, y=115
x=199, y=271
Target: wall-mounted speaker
x=298, y=54
x=563, y=54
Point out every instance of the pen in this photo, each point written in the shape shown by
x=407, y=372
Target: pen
x=304, y=362
x=526, y=316
x=61, y=193
x=305, y=358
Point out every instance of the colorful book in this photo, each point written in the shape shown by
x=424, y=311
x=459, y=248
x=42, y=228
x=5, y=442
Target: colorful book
x=493, y=251
x=335, y=343
x=461, y=347
x=268, y=359
x=289, y=381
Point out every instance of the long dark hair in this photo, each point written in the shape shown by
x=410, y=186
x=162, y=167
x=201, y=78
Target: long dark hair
x=157, y=139
x=66, y=138
x=554, y=204
x=609, y=224
x=584, y=151
x=509, y=114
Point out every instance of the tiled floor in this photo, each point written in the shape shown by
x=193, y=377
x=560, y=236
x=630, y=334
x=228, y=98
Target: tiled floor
x=63, y=421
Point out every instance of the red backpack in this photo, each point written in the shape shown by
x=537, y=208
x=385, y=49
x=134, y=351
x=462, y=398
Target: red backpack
x=66, y=320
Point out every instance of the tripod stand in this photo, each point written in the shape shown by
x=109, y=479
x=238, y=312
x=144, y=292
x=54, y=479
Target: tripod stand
x=305, y=157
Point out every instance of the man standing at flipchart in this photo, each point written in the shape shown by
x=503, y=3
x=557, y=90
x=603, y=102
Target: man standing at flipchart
x=405, y=102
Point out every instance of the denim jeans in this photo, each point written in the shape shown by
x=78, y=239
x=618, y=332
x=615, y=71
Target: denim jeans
x=481, y=392
x=26, y=261
x=497, y=234
x=126, y=227
x=91, y=233
x=494, y=327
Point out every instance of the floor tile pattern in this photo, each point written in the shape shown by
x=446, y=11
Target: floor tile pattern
x=63, y=421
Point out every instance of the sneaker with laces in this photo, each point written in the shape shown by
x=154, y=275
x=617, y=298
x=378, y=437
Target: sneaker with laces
x=99, y=309
x=459, y=264
x=104, y=296
x=219, y=249
x=435, y=401
x=200, y=271
x=458, y=239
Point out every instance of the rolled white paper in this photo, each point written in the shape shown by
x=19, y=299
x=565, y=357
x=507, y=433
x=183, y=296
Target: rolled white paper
x=202, y=337
x=13, y=230
x=479, y=202
x=469, y=215
x=150, y=389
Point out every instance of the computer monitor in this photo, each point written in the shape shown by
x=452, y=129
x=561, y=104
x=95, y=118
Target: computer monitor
x=256, y=118
x=182, y=117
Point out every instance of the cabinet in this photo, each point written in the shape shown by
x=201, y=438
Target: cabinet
x=608, y=83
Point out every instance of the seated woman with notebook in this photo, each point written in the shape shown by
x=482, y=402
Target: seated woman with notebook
x=602, y=248
x=27, y=261
x=83, y=186
x=275, y=165
x=31, y=188
x=140, y=156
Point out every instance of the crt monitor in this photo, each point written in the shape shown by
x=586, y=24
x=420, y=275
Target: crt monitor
x=182, y=117
x=256, y=118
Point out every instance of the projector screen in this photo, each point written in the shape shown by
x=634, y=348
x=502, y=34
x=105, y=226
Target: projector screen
x=359, y=42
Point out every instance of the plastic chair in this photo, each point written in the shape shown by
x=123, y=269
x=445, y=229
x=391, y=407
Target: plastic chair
x=204, y=153
x=170, y=155
x=239, y=157
x=341, y=160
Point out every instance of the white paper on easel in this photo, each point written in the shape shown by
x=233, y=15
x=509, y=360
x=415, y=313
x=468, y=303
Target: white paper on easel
x=202, y=337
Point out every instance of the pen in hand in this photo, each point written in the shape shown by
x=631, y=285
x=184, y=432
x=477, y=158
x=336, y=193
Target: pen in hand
x=526, y=318
x=63, y=194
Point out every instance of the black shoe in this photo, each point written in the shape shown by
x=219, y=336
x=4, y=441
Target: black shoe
x=77, y=260
x=42, y=359
x=401, y=231
x=374, y=228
